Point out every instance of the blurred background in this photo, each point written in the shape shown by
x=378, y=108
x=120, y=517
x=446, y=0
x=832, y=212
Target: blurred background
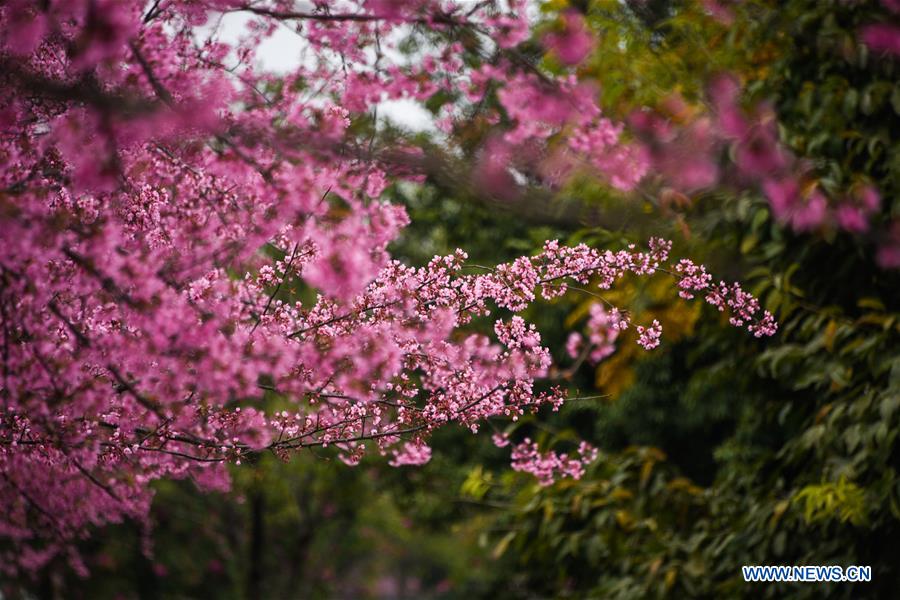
x=718, y=449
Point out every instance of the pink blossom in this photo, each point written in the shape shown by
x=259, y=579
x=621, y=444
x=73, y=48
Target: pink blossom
x=393, y=9
x=573, y=344
x=869, y=199
x=548, y=466
x=648, y=337
x=375, y=184
x=783, y=195
x=603, y=329
x=574, y=42
x=881, y=37
x=891, y=5
x=888, y=255
x=511, y=30
x=27, y=28
x=687, y=161
x=719, y=10
x=108, y=25
x=724, y=92
x=412, y=454
x=493, y=170
x=809, y=213
x=852, y=218
x=759, y=152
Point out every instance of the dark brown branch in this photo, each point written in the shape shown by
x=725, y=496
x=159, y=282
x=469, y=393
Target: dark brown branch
x=161, y=92
x=106, y=281
x=126, y=385
x=290, y=15
x=95, y=481
x=79, y=335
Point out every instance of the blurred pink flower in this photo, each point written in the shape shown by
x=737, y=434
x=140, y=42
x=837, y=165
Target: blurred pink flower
x=574, y=42
x=869, y=198
x=782, y=195
x=574, y=344
x=810, y=214
x=759, y=152
x=718, y=11
x=888, y=255
x=881, y=37
x=852, y=218
x=27, y=27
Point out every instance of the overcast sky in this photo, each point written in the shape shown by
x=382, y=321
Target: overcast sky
x=283, y=52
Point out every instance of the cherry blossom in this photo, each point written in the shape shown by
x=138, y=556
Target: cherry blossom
x=550, y=465
x=573, y=42
x=882, y=38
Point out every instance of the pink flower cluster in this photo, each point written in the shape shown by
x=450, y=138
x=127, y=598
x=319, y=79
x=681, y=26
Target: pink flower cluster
x=688, y=158
x=884, y=37
x=549, y=466
x=648, y=337
x=603, y=328
x=573, y=41
x=793, y=196
x=745, y=309
x=555, y=129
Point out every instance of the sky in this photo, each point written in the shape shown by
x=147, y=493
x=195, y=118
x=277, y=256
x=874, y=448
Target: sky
x=283, y=52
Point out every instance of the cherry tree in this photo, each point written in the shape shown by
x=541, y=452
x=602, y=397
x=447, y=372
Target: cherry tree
x=159, y=193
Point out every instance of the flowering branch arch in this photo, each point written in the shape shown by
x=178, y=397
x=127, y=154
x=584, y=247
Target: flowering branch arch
x=142, y=332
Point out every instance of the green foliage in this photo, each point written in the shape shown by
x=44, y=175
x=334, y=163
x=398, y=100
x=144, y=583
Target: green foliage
x=843, y=500
x=789, y=445
x=309, y=528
